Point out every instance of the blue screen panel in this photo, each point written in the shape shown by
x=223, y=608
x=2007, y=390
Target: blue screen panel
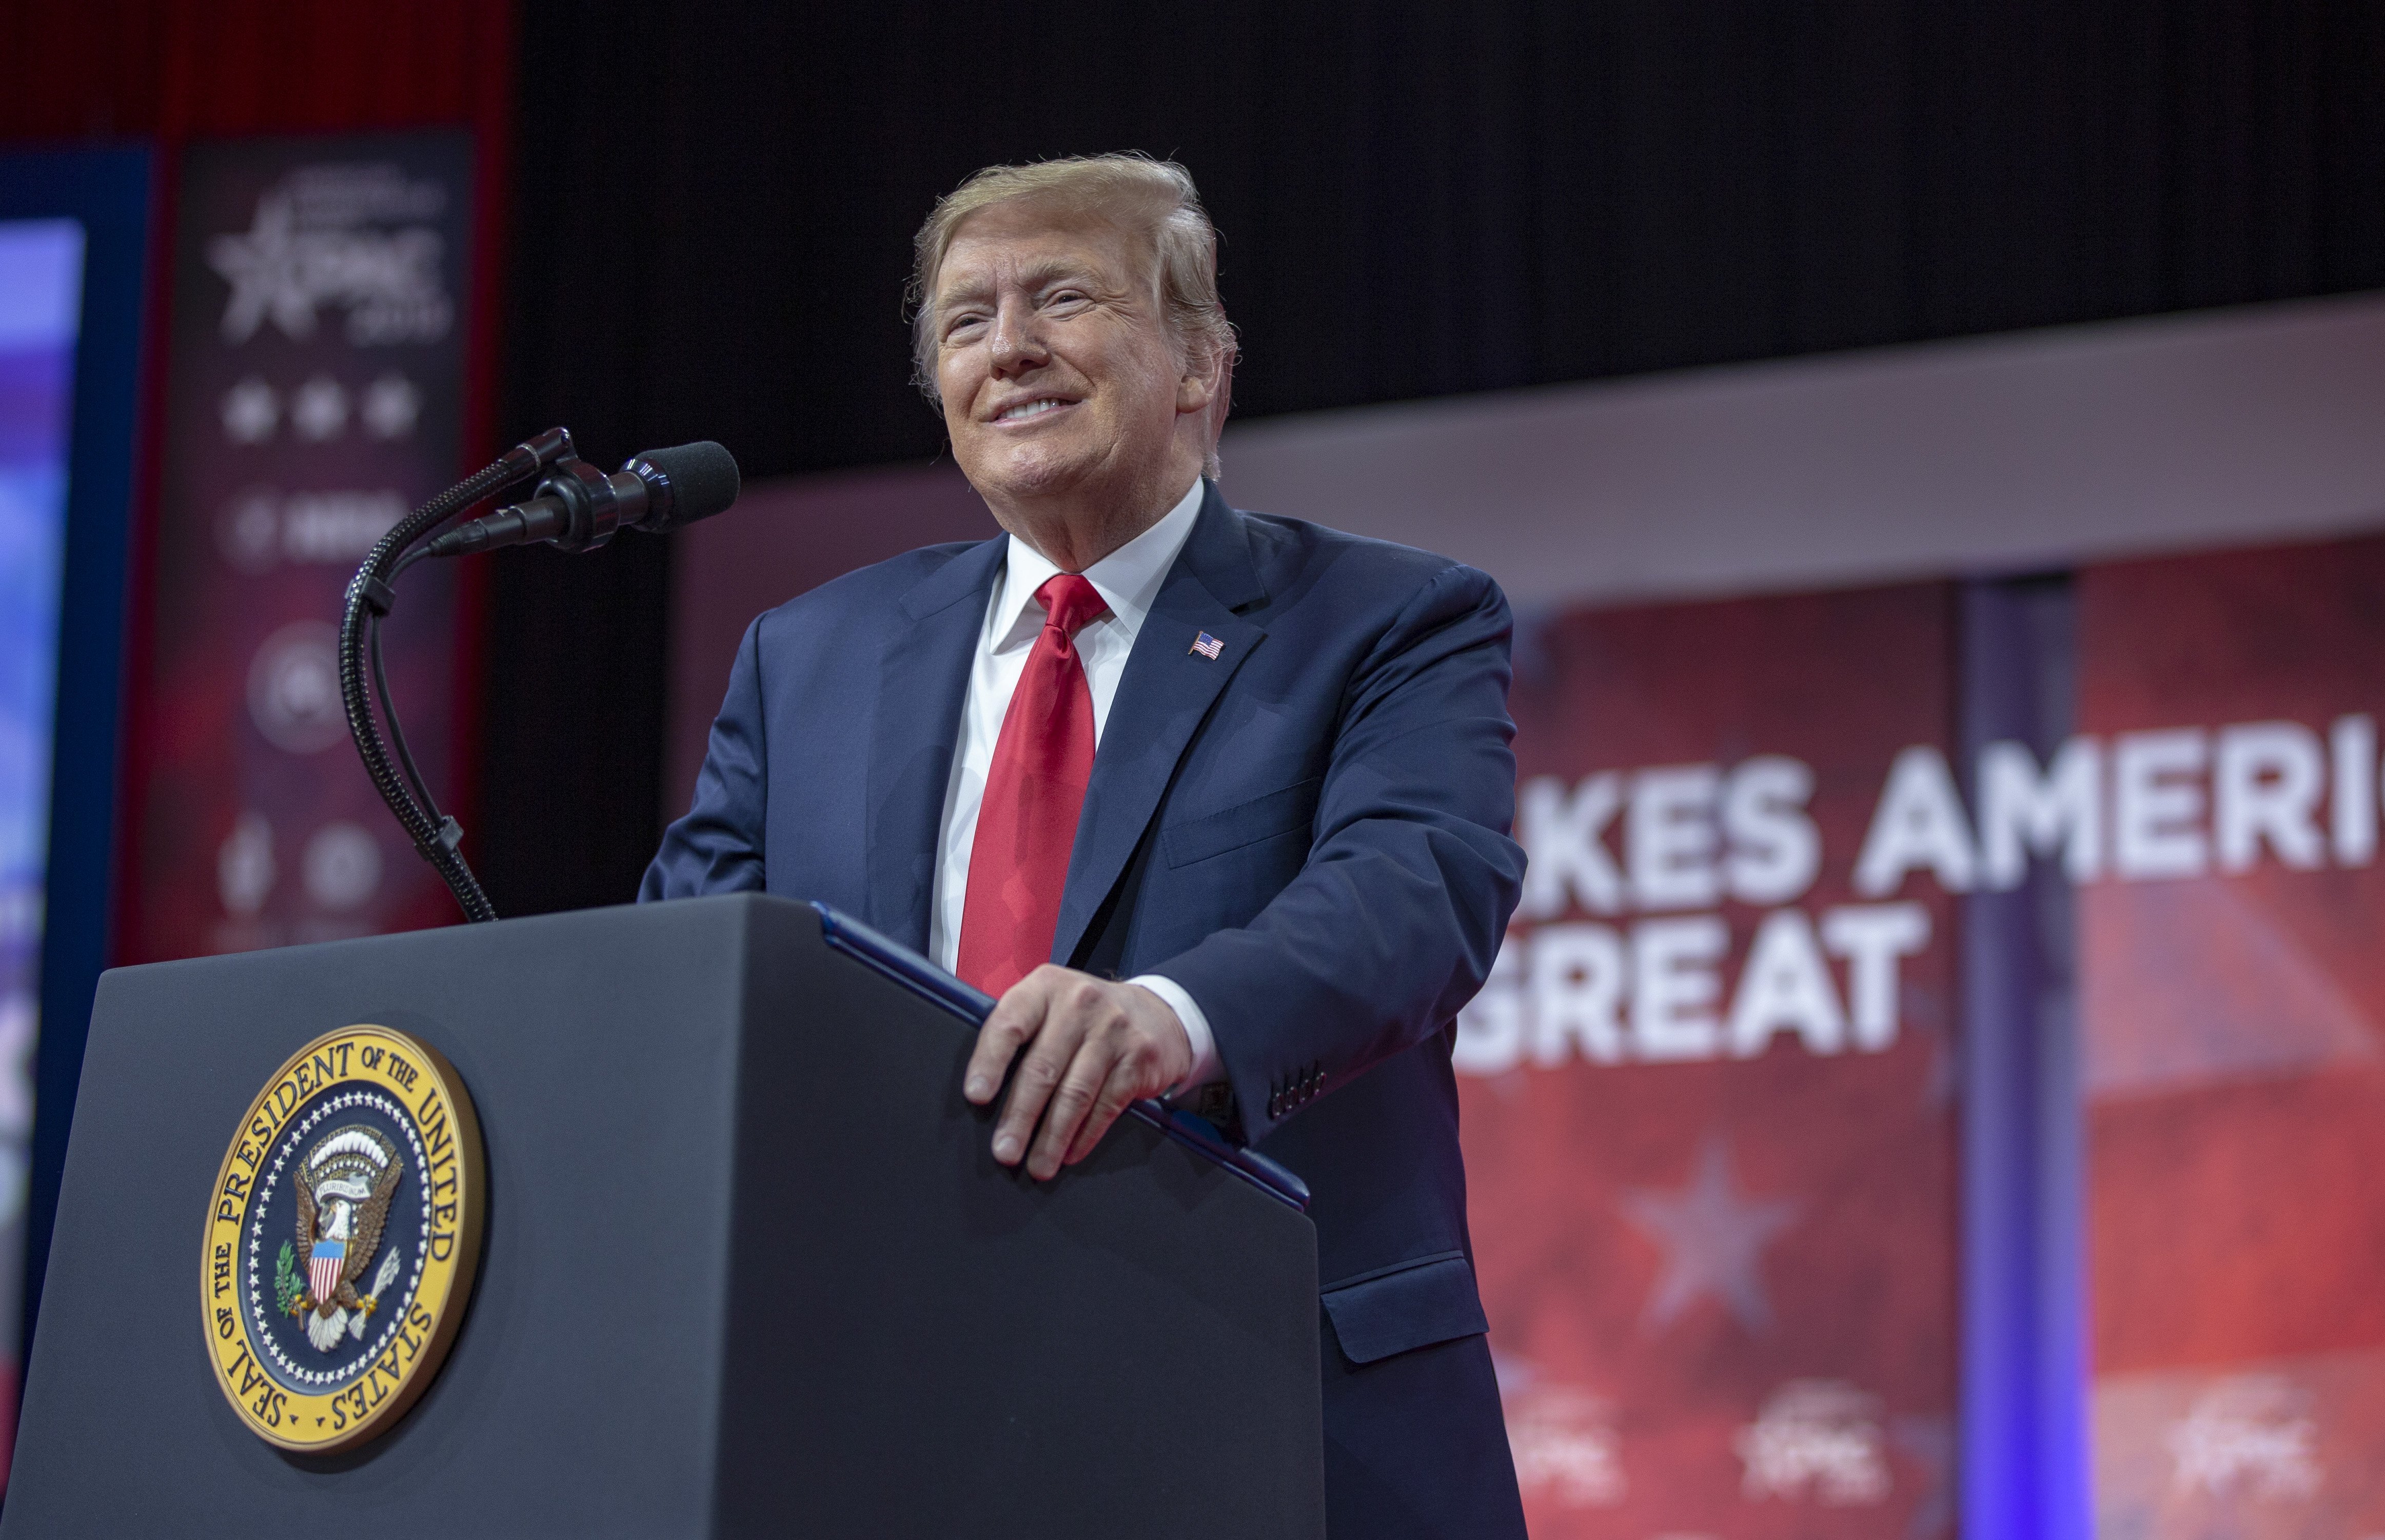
x=40, y=298
x=74, y=228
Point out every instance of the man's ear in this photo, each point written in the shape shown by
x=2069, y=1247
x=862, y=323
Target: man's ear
x=1204, y=382
x=1220, y=394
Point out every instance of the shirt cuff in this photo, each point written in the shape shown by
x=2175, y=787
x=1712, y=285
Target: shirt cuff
x=1207, y=1066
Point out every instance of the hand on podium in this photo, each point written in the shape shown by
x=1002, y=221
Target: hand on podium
x=1094, y=1046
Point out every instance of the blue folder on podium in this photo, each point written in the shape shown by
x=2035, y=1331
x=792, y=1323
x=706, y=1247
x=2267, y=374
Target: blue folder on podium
x=972, y=1005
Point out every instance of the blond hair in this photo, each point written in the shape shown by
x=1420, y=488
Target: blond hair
x=1128, y=187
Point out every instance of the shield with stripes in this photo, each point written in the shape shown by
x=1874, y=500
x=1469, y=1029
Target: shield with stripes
x=323, y=1268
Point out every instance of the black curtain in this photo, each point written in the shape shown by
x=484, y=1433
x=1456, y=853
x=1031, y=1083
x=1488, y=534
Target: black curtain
x=714, y=203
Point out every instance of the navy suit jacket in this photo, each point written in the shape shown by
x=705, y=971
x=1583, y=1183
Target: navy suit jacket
x=1308, y=834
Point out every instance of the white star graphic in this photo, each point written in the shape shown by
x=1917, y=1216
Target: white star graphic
x=391, y=405
x=250, y=410
x=320, y=409
x=263, y=268
x=1712, y=1241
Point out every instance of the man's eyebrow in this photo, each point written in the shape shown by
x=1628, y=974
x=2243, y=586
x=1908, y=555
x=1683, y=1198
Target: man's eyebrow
x=1040, y=274
x=1055, y=269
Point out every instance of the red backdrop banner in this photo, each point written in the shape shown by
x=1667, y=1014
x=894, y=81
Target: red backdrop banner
x=2231, y=981
x=315, y=394
x=1708, y=1095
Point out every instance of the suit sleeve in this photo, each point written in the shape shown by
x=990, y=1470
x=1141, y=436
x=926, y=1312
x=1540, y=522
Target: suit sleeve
x=1395, y=918
x=717, y=847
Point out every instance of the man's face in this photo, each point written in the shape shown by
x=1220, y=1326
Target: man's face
x=1054, y=362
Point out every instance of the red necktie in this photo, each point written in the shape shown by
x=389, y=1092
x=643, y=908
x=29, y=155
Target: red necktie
x=1027, y=826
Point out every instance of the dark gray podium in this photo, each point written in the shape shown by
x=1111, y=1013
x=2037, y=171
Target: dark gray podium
x=749, y=1268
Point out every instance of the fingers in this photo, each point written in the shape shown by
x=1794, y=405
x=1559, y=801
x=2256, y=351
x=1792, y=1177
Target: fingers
x=1091, y=1048
x=1120, y=1090
x=1123, y=1053
x=1014, y=1020
x=1055, y=1035
x=1088, y=1073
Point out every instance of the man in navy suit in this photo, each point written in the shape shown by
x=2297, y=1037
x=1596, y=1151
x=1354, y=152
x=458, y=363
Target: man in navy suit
x=1216, y=803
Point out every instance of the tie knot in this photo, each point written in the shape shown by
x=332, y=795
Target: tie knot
x=1070, y=602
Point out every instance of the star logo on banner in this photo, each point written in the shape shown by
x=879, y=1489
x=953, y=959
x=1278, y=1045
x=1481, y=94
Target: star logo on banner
x=1568, y=1447
x=2247, y=1434
x=263, y=267
x=1713, y=1238
x=1817, y=1439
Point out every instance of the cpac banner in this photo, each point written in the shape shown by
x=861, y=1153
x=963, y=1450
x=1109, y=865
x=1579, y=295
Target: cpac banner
x=1711, y=1092
x=314, y=397
x=1708, y=1093
x=2232, y=981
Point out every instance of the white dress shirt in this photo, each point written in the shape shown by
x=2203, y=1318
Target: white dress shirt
x=1128, y=579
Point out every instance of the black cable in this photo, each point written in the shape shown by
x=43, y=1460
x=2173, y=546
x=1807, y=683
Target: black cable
x=414, y=777
x=368, y=599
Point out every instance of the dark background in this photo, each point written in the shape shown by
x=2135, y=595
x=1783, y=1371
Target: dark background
x=709, y=210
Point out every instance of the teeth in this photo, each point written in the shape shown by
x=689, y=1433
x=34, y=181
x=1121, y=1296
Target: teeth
x=1031, y=408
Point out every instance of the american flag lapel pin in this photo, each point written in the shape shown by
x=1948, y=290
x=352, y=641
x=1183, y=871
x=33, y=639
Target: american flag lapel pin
x=1209, y=646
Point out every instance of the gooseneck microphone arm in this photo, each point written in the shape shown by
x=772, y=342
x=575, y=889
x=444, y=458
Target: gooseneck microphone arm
x=575, y=506
x=370, y=597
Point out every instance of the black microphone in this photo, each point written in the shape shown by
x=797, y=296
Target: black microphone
x=578, y=508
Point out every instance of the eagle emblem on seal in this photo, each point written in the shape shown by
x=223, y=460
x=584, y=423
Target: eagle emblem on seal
x=344, y=1187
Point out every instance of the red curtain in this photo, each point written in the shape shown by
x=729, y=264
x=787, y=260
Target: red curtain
x=176, y=68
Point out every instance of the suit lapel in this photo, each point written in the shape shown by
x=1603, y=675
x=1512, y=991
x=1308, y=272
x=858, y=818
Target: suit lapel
x=1162, y=696
x=923, y=682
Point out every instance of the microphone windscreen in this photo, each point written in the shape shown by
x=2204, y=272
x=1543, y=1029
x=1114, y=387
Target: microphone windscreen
x=701, y=480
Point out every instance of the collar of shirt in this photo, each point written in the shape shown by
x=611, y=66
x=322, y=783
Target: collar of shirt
x=1128, y=579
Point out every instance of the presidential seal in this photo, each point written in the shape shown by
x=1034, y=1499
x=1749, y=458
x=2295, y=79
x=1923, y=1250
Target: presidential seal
x=341, y=1236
